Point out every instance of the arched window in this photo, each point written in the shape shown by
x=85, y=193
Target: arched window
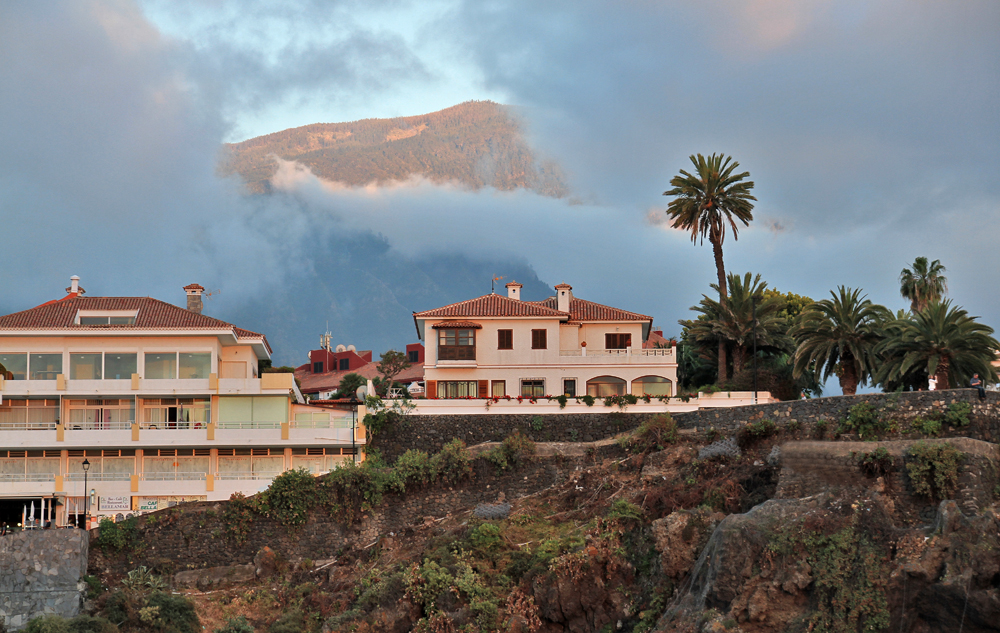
x=604, y=386
x=652, y=385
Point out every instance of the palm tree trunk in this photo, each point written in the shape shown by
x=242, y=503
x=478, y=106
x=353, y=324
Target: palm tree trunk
x=942, y=373
x=848, y=376
x=739, y=358
x=720, y=269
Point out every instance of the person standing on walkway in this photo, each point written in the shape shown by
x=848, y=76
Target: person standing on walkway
x=977, y=384
x=932, y=383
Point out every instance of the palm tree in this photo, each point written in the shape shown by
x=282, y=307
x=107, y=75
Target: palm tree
x=704, y=203
x=923, y=284
x=839, y=336
x=942, y=340
x=733, y=324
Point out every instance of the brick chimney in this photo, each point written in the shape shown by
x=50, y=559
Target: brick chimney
x=74, y=287
x=194, y=297
x=564, y=294
x=514, y=290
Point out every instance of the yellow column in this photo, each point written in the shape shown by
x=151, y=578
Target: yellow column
x=135, y=431
x=213, y=382
x=284, y=430
x=60, y=382
x=134, y=483
x=59, y=483
x=60, y=433
x=288, y=458
x=135, y=382
x=210, y=482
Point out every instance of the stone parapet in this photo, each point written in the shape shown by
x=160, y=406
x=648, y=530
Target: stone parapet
x=41, y=573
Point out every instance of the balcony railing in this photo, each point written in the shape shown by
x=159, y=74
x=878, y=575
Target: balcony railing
x=99, y=476
x=27, y=426
x=178, y=476
x=27, y=477
x=172, y=426
x=618, y=352
x=246, y=476
x=122, y=425
x=336, y=423
x=256, y=424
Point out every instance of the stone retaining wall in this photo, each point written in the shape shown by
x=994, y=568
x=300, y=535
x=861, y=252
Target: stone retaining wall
x=40, y=572
x=808, y=468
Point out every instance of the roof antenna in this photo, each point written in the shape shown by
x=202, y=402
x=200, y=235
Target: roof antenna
x=493, y=285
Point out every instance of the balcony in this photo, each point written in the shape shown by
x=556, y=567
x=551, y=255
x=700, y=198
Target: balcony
x=627, y=356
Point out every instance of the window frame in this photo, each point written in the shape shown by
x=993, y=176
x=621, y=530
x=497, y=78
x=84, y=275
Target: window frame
x=540, y=339
x=617, y=340
x=456, y=350
x=505, y=339
x=535, y=384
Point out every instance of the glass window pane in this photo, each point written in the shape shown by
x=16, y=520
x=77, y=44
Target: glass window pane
x=93, y=320
x=235, y=409
x=161, y=366
x=14, y=366
x=119, y=366
x=270, y=409
x=195, y=366
x=44, y=366
x=126, y=320
x=85, y=366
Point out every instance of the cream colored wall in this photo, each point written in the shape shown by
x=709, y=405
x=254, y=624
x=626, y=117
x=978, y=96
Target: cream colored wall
x=486, y=342
x=593, y=333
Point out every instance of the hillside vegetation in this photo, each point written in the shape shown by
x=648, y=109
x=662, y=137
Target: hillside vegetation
x=476, y=143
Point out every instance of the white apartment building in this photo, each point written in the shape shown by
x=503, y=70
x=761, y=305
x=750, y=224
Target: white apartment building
x=502, y=346
x=164, y=404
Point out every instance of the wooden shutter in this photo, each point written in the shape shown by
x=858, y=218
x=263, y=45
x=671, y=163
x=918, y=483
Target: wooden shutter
x=484, y=389
x=430, y=389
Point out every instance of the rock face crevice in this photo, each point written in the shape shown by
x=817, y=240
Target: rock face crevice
x=41, y=572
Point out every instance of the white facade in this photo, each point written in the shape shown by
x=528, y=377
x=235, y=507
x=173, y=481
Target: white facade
x=164, y=409
x=562, y=346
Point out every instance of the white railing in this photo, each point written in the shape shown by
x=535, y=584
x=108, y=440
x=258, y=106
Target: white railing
x=27, y=426
x=171, y=426
x=100, y=426
x=258, y=424
x=27, y=477
x=99, y=476
x=173, y=476
x=618, y=352
x=245, y=476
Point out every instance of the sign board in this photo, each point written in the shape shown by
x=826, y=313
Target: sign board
x=114, y=503
x=152, y=504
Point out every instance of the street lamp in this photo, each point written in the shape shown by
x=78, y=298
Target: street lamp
x=754, y=301
x=86, y=494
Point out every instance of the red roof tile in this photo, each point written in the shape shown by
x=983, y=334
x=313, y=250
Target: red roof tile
x=457, y=324
x=329, y=381
x=491, y=306
x=151, y=314
x=580, y=310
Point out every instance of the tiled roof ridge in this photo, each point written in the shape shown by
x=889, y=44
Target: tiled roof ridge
x=583, y=310
x=455, y=309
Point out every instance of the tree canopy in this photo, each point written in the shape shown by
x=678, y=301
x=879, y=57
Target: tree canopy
x=923, y=284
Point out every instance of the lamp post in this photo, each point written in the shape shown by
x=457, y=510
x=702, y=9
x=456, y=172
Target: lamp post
x=354, y=426
x=86, y=494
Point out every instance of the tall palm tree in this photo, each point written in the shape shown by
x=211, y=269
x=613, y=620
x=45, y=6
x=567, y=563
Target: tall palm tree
x=942, y=340
x=733, y=324
x=838, y=336
x=923, y=284
x=704, y=203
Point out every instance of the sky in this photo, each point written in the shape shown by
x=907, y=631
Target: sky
x=871, y=130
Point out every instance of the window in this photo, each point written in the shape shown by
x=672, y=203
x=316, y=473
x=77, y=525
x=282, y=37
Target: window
x=161, y=366
x=617, y=341
x=499, y=389
x=14, y=366
x=457, y=389
x=651, y=385
x=569, y=387
x=533, y=388
x=101, y=414
x=194, y=366
x=318, y=368
x=85, y=366
x=107, y=320
x=456, y=345
x=413, y=356
x=119, y=366
x=44, y=366
x=345, y=364
x=604, y=386
x=505, y=339
x=538, y=339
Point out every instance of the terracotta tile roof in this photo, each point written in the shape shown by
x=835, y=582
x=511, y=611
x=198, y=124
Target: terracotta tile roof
x=152, y=314
x=655, y=338
x=491, y=306
x=329, y=381
x=469, y=325
x=580, y=310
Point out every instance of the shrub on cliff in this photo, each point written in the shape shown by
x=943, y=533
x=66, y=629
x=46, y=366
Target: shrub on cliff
x=866, y=420
x=290, y=497
x=453, y=462
x=933, y=468
x=512, y=452
x=414, y=467
x=652, y=435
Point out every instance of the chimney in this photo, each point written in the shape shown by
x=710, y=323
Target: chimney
x=74, y=287
x=564, y=294
x=514, y=290
x=194, y=297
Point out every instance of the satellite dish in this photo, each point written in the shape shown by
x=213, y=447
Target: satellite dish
x=361, y=392
x=351, y=348
x=341, y=348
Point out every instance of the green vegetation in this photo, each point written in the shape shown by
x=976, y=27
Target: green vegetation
x=652, y=435
x=751, y=433
x=450, y=145
x=117, y=537
x=923, y=284
x=957, y=414
x=866, y=420
x=704, y=203
x=235, y=625
x=512, y=452
x=933, y=469
x=876, y=463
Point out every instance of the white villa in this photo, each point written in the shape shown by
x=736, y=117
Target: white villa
x=495, y=346
x=164, y=404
